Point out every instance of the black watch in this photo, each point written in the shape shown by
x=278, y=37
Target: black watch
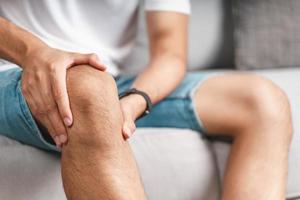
x=143, y=94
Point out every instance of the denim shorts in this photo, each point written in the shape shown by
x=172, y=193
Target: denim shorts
x=16, y=121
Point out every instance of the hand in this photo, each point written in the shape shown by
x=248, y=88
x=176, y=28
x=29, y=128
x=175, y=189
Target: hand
x=132, y=107
x=45, y=90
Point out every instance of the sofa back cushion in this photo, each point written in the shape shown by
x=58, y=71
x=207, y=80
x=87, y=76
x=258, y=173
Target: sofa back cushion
x=210, y=38
x=267, y=33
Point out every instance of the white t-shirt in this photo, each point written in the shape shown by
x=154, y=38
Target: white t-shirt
x=104, y=27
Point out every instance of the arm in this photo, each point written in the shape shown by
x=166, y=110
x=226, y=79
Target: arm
x=44, y=75
x=15, y=43
x=168, y=54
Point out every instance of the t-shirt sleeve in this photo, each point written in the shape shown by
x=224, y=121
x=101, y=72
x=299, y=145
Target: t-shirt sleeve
x=181, y=6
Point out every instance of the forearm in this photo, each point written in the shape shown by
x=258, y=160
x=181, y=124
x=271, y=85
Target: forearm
x=161, y=77
x=167, y=33
x=16, y=43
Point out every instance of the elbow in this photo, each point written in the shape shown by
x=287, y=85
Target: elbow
x=179, y=64
x=180, y=61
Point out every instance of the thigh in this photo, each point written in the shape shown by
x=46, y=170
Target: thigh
x=178, y=110
x=16, y=120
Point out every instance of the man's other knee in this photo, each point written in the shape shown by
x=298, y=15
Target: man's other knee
x=266, y=105
x=265, y=100
x=242, y=101
x=269, y=104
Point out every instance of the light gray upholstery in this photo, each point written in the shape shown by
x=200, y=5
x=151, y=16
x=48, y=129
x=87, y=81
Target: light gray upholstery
x=174, y=164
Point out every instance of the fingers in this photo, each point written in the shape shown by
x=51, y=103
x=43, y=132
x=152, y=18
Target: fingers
x=52, y=113
x=50, y=128
x=41, y=109
x=128, y=129
x=91, y=59
x=57, y=126
x=128, y=121
x=60, y=96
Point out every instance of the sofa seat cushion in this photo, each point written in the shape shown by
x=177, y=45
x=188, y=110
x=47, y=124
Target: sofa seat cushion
x=175, y=164
x=288, y=80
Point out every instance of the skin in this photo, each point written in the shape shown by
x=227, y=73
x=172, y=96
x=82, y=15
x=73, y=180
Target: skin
x=97, y=162
x=248, y=108
x=256, y=114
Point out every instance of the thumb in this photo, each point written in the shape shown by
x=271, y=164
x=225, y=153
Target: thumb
x=128, y=129
x=91, y=59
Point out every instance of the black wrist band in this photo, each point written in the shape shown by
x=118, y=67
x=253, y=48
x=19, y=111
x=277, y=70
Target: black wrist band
x=143, y=94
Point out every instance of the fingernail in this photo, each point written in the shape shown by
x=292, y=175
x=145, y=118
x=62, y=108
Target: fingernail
x=57, y=141
x=128, y=132
x=67, y=121
x=63, y=139
x=103, y=66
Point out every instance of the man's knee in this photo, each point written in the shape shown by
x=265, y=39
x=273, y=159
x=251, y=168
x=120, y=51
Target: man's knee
x=266, y=103
x=89, y=87
x=265, y=99
x=236, y=102
x=95, y=106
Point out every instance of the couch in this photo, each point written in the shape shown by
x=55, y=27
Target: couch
x=175, y=164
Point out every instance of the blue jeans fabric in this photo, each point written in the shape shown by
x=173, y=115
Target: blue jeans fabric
x=17, y=122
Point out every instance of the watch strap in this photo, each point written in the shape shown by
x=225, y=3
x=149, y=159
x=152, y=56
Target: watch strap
x=141, y=93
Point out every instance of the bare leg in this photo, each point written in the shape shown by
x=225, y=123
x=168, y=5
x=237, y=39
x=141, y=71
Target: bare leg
x=256, y=114
x=97, y=163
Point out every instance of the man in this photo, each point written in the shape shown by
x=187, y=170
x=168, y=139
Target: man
x=63, y=100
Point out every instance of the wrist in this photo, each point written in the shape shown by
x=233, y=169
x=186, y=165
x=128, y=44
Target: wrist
x=33, y=52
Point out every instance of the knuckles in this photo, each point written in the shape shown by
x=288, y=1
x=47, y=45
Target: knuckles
x=93, y=55
x=30, y=82
x=38, y=76
x=45, y=110
x=49, y=108
x=57, y=93
x=52, y=68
